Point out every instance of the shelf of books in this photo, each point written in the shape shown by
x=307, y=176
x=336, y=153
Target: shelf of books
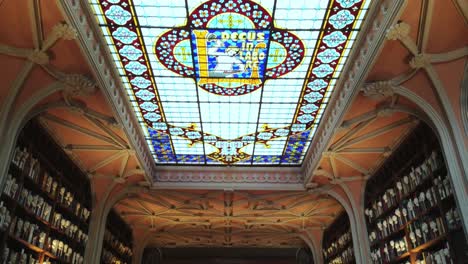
x=117, y=241
x=337, y=242
x=43, y=217
x=411, y=213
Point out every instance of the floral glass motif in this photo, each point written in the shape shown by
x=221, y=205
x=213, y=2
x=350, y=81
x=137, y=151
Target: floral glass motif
x=229, y=82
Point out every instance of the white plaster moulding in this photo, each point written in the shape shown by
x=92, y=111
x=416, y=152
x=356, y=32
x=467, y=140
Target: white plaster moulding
x=370, y=41
x=78, y=15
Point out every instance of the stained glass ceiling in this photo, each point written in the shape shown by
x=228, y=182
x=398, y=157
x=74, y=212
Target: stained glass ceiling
x=229, y=82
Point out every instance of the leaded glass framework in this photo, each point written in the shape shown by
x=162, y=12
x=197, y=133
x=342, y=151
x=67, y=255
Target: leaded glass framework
x=229, y=82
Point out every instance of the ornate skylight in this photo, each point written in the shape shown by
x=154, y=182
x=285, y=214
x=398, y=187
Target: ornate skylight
x=229, y=82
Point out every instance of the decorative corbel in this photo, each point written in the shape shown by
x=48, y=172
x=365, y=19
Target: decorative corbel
x=378, y=90
x=59, y=31
x=398, y=31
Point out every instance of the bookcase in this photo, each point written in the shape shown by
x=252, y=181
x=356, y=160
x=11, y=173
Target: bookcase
x=411, y=213
x=43, y=215
x=337, y=242
x=117, y=241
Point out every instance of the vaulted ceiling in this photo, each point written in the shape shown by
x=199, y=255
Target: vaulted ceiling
x=228, y=218
x=46, y=70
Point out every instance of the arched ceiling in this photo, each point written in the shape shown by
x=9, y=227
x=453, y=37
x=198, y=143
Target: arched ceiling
x=49, y=69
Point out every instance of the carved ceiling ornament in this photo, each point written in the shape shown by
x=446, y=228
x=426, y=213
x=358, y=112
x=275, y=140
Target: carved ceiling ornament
x=398, y=31
x=77, y=85
x=420, y=61
x=64, y=31
x=378, y=90
x=39, y=57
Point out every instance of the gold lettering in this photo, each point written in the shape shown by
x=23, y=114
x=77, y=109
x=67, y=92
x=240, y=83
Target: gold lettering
x=251, y=35
x=242, y=36
x=225, y=36
x=234, y=35
x=248, y=56
x=248, y=64
x=261, y=36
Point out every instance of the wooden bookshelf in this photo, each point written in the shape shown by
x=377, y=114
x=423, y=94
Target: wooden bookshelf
x=337, y=242
x=39, y=224
x=411, y=213
x=117, y=241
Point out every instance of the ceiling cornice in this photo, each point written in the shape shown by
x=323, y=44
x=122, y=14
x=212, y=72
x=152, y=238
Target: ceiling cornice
x=78, y=15
x=380, y=17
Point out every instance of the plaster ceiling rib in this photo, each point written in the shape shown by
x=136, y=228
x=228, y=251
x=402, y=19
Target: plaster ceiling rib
x=365, y=150
x=331, y=160
x=124, y=164
x=109, y=131
x=352, y=164
x=107, y=160
x=362, y=125
x=36, y=23
x=376, y=132
x=98, y=148
x=80, y=129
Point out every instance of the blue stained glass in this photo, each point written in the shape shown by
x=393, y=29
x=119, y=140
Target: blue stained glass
x=141, y=82
x=347, y=3
x=160, y=126
x=144, y=95
x=313, y=97
x=230, y=53
x=130, y=52
x=341, y=19
x=135, y=67
x=322, y=70
x=317, y=85
x=221, y=82
x=118, y=15
x=153, y=117
x=265, y=135
x=334, y=39
x=305, y=118
x=162, y=146
x=124, y=35
x=148, y=106
x=309, y=108
x=328, y=55
x=295, y=147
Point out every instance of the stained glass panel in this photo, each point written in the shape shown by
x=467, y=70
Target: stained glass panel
x=229, y=82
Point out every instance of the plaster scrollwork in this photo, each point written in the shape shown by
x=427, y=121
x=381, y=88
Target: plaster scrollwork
x=398, y=31
x=420, y=61
x=378, y=90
